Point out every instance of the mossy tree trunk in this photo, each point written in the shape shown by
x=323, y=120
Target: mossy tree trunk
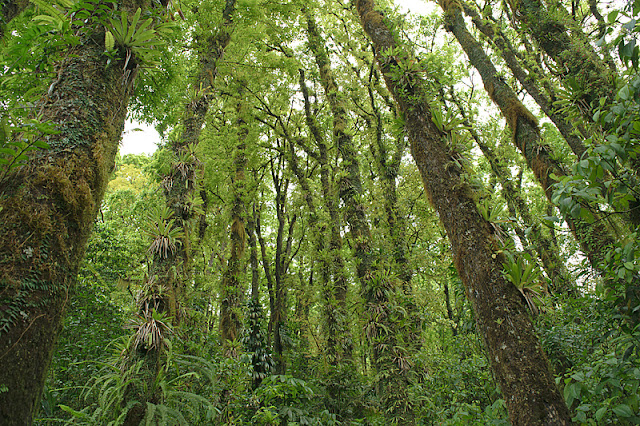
x=545, y=246
x=336, y=316
x=571, y=133
x=10, y=9
x=517, y=359
x=47, y=211
x=231, y=294
x=594, y=240
x=577, y=62
x=181, y=185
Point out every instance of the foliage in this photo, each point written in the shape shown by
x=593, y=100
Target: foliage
x=599, y=358
x=292, y=400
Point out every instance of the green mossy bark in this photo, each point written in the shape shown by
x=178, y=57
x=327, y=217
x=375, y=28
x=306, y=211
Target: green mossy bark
x=336, y=331
x=593, y=240
x=181, y=183
x=382, y=334
x=231, y=299
x=571, y=53
x=10, y=9
x=517, y=359
x=506, y=50
x=47, y=209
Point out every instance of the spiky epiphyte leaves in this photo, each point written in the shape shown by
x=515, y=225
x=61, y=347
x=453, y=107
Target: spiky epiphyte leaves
x=526, y=275
x=165, y=236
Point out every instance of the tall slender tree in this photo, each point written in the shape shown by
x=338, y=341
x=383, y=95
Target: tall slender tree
x=517, y=359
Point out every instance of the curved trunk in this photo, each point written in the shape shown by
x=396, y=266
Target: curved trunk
x=181, y=184
x=517, y=359
x=47, y=210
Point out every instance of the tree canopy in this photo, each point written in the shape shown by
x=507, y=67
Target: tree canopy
x=357, y=214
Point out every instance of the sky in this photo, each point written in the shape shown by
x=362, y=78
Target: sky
x=141, y=138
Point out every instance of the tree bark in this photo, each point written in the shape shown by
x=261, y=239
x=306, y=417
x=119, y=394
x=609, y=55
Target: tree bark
x=578, y=62
x=10, y=10
x=563, y=123
x=231, y=295
x=594, y=240
x=47, y=210
x=517, y=359
x=181, y=184
x=336, y=315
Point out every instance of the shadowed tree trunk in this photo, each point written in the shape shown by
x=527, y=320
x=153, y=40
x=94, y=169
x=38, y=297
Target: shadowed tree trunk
x=517, y=359
x=10, y=10
x=47, y=210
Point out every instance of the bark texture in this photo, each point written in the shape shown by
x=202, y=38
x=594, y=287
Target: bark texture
x=47, y=210
x=181, y=184
x=577, y=62
x=10, y=9
x=336, y=315
x=593, y=240
x=232, y=292
x=563, y=123
x=517, y=359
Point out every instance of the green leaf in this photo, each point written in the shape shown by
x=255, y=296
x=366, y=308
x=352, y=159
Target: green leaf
x=109, y=41
x=623, y=410
x=74, y=413
x=600, y=413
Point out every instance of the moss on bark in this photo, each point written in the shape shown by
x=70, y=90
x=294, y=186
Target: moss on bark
x=517, y=359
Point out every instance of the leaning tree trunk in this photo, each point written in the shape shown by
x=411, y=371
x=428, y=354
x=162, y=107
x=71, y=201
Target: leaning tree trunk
x=545, y=246
x=517, y=359
x=563, y=123
x=47, y=210
x=594, y=240
x=574, y=56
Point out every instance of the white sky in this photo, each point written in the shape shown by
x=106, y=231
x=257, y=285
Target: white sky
x=146, y=140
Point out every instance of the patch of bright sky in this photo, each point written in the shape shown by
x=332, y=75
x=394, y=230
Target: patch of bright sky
x=141, y=138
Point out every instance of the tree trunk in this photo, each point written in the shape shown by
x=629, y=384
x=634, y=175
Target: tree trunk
x=517, y=359
x=506, y=50
x=10, y=10
x=231, y=294
x=181, y=184
x=578, y=61
x=47, y=210
x=336, y=315
x=594, y=240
